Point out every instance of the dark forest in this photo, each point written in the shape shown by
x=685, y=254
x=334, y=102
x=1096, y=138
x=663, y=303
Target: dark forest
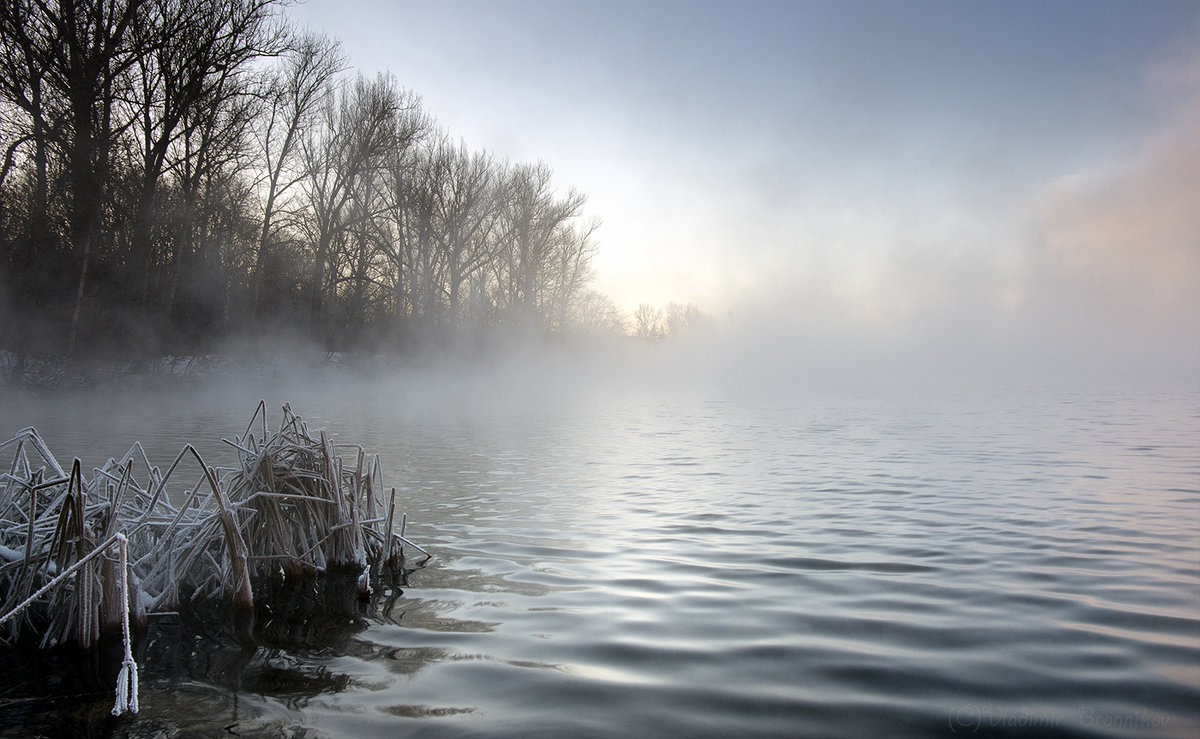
x=179, y=172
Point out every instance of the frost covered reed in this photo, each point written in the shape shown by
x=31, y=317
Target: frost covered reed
x=295, y=505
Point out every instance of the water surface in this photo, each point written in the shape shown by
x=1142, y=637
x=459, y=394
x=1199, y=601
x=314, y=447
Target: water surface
x=634, y=563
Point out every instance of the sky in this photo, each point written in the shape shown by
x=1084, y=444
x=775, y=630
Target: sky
x=1014, y=176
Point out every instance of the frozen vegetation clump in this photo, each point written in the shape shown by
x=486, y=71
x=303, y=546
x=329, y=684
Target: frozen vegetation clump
x=82, y=557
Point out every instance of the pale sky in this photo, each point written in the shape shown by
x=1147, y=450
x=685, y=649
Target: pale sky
x=885, y=166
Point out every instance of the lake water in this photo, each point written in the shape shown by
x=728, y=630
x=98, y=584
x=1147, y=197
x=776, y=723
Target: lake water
x=630, y=562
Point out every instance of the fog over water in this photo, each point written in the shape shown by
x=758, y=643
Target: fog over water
x=701, y=539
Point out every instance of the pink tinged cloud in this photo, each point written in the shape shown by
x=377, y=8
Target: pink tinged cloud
x=1123, y=243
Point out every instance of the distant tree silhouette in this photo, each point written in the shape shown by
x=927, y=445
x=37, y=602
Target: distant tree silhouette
x=293, y=93
x=342, y=156
x=596, y=313
x=536, y=223
x=647, y=322
x=682, y=318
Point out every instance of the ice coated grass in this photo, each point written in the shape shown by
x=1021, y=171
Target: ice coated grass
x=296, y=505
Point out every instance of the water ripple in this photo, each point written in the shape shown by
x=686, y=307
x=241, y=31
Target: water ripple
x=653, y=567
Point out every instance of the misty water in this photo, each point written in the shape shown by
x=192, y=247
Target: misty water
x=654, y=561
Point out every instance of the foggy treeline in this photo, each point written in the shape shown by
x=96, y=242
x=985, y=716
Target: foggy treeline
x=675, y=319
x=178, y=171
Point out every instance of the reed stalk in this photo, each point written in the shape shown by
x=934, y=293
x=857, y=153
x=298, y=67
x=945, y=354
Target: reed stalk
x=292, y=505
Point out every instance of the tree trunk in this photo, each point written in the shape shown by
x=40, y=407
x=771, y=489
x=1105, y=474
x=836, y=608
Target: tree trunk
x=316, y=292
x=86, y=249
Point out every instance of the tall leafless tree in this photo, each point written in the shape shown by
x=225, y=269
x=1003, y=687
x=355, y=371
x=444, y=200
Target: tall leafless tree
x=293, y=94
x=534, y=219
x=356, y=131
x=69, y=59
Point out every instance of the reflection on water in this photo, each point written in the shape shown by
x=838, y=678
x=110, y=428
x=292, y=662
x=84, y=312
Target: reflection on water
x=634, y=565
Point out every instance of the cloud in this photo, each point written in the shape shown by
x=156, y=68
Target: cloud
x=1123, y=242
x=1123, y=237
x=1096, y=279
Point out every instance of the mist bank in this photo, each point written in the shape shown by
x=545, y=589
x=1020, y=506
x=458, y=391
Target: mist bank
x=957, y=352
x=764, y=354
x=544, y=383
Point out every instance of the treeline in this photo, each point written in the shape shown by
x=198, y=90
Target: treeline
x=675, y=320
x=177, y=171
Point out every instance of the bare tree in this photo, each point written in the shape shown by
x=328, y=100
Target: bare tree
x=207, y=170
x=647, y=322
x=29, y=124
x=534, y=217
x=426, y=265
x=399, y=190
x=596, y=313
x=571, y=260
x=293, y=94
x=191, y=52
x=70, y=57
x=464, y=214
x=357, y=130
x=682, y=318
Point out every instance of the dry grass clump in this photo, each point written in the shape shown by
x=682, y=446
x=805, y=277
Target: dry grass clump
x=295, y=505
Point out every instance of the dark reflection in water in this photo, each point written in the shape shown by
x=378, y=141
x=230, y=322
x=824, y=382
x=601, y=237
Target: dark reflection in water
x=212, y=658
x=631, y=565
